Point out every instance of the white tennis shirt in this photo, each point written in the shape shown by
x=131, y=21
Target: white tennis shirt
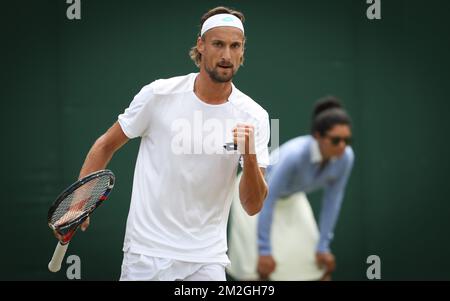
x=183, y=179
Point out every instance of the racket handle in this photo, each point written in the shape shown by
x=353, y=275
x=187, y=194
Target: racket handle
x=55, y=264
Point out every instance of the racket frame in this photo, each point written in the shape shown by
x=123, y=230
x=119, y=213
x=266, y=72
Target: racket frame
x=67, y=229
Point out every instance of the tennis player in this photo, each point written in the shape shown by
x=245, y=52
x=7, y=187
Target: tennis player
x=176, y=227
x=283, y=242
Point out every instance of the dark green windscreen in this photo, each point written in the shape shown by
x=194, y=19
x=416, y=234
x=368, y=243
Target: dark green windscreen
x=65, y=81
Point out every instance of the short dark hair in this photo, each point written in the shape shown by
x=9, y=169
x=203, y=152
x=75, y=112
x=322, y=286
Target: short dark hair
x=193, y=53
x=327, y=113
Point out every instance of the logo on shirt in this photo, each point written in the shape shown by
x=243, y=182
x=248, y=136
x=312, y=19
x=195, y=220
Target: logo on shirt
x=202, y=136
x=197, y=135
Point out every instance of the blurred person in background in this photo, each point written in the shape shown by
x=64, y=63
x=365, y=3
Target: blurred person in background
x=283, y=242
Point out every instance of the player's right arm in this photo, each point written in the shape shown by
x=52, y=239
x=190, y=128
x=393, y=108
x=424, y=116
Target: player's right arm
x=103, y=149
x=101, y=153
x=134, y=122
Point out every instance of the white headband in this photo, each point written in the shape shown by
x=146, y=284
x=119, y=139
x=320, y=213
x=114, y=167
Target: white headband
x=221, y=20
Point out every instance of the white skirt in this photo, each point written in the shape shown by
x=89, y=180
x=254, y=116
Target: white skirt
x=294, y=236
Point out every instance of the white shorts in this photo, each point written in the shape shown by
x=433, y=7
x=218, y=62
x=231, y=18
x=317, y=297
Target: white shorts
x=138, y=267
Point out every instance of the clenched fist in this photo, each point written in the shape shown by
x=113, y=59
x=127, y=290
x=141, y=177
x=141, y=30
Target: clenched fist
x=244, y=138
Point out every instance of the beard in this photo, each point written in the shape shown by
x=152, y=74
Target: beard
x=219, y=77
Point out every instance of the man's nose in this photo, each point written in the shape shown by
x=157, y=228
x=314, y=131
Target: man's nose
x=226, y=54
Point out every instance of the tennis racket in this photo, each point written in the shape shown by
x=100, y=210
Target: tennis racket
x=73, y=206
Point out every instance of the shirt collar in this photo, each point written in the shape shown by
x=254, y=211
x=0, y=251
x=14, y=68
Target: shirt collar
x=316, y=155
x=234, y=91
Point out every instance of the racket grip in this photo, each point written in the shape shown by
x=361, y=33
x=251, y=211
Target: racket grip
x=55, y=264
x=230, y=146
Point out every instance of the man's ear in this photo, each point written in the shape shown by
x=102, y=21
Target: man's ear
x=317, y=135
x=200, y=45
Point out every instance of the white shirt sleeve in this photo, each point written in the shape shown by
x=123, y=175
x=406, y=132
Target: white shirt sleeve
x=135, y=121
x=262, y=142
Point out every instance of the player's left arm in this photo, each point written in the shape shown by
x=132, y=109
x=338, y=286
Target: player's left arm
x=252, y=187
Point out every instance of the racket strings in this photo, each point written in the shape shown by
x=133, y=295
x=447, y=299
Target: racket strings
x=80, y=200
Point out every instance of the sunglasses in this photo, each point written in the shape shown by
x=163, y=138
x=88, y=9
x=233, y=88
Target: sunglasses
x=336, y=140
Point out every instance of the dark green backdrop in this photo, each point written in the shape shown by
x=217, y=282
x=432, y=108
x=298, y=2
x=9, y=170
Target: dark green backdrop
x=64, y=82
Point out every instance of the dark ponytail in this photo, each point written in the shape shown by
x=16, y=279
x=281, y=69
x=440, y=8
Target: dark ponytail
x=327, y=113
